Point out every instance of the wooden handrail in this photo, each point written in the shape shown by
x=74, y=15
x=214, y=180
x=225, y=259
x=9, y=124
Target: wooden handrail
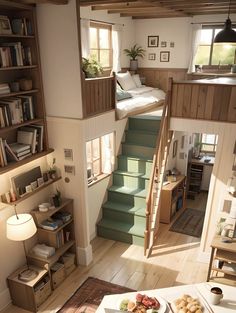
x=159, y=159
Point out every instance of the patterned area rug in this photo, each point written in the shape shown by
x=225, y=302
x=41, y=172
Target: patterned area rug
x=190, y=222
x=89, y=295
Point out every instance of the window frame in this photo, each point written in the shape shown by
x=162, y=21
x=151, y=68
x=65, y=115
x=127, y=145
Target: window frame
x=209, y=144
x=99, y=26
x=213, y=27
x=100, y=158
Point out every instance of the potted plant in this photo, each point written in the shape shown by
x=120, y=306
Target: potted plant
x=135, y=52
x=91, y=67
x=56, y=198
x=52, y=172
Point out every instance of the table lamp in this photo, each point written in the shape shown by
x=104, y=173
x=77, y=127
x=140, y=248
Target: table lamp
x=21, y=227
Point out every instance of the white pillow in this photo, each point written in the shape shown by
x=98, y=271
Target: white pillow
x=137, y=80
x=126, y=81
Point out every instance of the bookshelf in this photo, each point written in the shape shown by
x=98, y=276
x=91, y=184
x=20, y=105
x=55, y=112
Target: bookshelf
x=12, y=70
x=50, y=237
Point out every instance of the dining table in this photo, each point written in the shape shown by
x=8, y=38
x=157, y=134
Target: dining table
x=167, y=296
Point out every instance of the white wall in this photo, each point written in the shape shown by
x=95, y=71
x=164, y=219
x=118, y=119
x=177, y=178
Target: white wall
x=178, y=30
x=168, y=29
x=58, y=39
x=128, y=37
x=12, y=252
x=222, y=169
x=96, y=127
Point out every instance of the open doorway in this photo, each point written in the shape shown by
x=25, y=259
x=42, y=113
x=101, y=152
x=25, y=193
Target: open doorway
x=188, y=174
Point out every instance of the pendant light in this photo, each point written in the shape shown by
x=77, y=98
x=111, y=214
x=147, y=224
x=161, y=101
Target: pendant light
x=227, y=35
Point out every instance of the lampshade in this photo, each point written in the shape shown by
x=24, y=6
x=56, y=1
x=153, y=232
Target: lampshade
x=20, y=227
x=227, y=35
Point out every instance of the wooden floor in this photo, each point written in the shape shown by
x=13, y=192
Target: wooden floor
x=199, y=203
x=173, y=262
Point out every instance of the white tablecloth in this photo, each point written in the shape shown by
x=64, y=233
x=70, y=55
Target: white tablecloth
x=227, y=304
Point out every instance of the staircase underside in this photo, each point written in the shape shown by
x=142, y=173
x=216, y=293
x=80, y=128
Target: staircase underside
x=123, y=215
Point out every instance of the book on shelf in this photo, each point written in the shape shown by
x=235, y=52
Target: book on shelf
x=15, y=110
x=15, y=54
x=3, y=157
x=27, y=135
x=4, y=88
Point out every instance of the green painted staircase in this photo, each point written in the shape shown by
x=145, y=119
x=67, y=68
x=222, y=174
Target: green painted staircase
x=123, y=215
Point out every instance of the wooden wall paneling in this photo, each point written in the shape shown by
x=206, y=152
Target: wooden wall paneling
x=201, y=102
x=180, y=97
x=218, y=98
x=232, y=106
x=225, y=103
x=194, y=101
x=209, y=102
x=187, y=100
x=174, y=100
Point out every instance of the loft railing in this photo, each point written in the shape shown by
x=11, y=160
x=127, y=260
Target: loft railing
x=98, y=95
x=153, y=198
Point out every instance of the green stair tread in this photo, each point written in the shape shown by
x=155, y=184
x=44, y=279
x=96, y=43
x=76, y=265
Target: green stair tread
x=134, y=157
x=133, y=174
x=130, y=191
x=146, y=117
x=136, y=230
x=137, y=145
x=142, y=132
x=124, y=208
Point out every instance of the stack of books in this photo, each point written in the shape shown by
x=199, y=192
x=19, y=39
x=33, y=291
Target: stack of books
x=14, y=54
x=31, y=135
x=4, y=89
x=43, y=250
x=16, y=110
x=29, y=141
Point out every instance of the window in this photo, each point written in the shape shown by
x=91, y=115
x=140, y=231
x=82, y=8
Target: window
x=208, y=143
x=101, y=44
x=211, y=54
x=100, y=156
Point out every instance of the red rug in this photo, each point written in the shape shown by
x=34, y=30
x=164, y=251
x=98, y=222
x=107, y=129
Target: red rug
x=90, y=294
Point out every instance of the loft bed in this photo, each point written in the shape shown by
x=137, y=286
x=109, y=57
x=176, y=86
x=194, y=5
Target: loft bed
x=204, y=99
x=134, y=98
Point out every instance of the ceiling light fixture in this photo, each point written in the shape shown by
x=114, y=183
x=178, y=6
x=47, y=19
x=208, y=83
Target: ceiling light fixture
x=227, y=35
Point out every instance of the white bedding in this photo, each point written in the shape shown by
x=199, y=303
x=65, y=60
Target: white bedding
x=143, y=99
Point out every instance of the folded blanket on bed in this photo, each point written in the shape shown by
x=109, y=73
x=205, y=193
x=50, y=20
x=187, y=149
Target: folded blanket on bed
x=143, y=99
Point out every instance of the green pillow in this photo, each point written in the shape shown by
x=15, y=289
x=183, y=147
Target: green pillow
x=122, y=94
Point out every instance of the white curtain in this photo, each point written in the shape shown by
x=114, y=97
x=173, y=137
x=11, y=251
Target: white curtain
x=85, y=42
x=116, y=46
x=196, y=37
x=108, y=153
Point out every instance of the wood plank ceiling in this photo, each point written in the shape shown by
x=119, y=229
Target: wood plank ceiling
x=138, y=9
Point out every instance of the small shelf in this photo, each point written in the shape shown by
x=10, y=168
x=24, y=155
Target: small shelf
x=19, y=93
x=17, y=36
x=8, y=128
x=231, y=273
x=26, y=196
x=13, y=68
x=41, y=216
x=13, y=165
x=56, y=230
x=225, y=256
x=59, y=252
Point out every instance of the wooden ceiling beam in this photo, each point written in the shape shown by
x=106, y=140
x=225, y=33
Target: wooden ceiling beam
x=137, y=4
x=102, y=2
x=44, y=1
x=158, y=15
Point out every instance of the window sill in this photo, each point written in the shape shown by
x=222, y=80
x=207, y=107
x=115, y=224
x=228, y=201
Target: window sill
x=98, y=179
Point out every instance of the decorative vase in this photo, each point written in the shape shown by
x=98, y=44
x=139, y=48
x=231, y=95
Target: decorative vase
x=133, y=65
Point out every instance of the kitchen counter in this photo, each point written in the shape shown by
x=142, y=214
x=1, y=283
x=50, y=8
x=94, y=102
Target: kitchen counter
x=202, y=161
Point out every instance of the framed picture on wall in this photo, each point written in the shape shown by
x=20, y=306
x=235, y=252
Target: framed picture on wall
x=175, y=146
x=164, y=56
x=152, y=56
x=153, y=41
x=163, y=44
